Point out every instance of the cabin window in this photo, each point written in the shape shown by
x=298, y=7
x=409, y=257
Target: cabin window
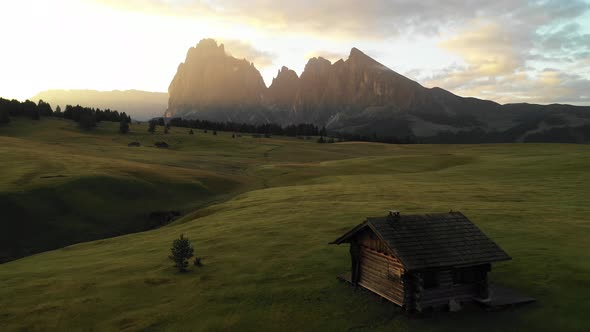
x=429, y=280
x=465, y=276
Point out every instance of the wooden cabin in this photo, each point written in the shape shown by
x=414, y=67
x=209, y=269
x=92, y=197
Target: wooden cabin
x=422, y=261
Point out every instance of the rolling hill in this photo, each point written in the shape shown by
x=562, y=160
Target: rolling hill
x=265, y=210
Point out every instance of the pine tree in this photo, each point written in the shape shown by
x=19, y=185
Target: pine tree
x=30, y=109
x=87, y=119
x=191, y=132
x=4, y=116
x=124, y=126
x=44, y=109
x=181, y=251
x=152, y=127
x=36, y=114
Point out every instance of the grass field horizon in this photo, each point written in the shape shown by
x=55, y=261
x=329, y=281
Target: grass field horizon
x=262, y=211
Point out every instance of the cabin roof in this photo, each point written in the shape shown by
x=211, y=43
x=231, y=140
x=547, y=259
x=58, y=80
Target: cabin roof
x=432, y=240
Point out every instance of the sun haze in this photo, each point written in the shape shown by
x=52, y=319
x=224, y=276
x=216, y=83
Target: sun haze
x=514, y=51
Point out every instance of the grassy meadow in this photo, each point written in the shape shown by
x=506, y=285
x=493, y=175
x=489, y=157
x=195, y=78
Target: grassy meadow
x=261, y=212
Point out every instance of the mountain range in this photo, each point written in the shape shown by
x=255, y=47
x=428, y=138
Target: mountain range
x=359, y=96
x=140, y=105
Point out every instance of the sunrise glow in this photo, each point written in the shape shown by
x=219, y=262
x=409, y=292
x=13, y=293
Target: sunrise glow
x=527, y=51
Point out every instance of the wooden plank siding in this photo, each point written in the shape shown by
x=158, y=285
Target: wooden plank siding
x=368, y=239
x=382, y=274
x=445, y=257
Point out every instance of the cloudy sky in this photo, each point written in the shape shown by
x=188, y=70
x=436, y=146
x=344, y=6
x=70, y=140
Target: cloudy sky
x=505, y=50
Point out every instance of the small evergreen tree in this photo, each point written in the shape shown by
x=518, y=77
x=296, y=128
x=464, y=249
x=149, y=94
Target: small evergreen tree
x=58, y=112
x=152, y=127
x=214, y=132
x=36, y=115
x=44, y=109
x=181, y=251
x=191, y=132
x=4, y=116
x=87, y=119
x=123, y=126
x=321, y=140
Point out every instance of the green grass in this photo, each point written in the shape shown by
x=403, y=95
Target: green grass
x=61, y=186
x=267, y=262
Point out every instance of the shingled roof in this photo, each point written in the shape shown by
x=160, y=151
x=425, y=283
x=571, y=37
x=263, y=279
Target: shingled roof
x=432, y=240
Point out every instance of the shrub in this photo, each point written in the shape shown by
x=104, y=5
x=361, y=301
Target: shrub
x=181, y=252
x=87, y=119
x=198, y=261
x=124, y=126
x=152, y=127
x=4, y=116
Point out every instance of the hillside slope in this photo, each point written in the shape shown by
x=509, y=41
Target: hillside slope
x=267, y=262
x=61, y=185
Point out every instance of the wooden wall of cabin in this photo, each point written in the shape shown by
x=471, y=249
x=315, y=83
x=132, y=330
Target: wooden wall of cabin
x=380, y=271
x=436, y=288
x=368, y=239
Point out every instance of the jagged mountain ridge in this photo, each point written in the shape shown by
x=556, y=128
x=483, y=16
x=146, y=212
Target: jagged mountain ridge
x=211, y=79
x=356, y=95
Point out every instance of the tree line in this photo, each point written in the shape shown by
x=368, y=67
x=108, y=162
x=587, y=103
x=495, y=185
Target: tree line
x=14, y=108
x=87, y=117
x=303, y=129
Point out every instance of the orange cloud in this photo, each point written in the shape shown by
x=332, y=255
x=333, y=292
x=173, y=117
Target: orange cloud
x=487, y=49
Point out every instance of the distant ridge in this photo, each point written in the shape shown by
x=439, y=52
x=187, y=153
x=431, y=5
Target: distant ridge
x=140, y=105
x=358, y=95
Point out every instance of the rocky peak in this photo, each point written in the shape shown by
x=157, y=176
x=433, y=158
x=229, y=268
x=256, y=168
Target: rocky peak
x=360, y=59
x=283, y=89
x=316, y=66
x=211, y=78
x=205, y=48
x=286, y=73
x=355, y=52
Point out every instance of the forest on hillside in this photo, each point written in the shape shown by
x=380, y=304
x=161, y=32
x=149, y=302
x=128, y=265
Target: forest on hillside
x=87, y=117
